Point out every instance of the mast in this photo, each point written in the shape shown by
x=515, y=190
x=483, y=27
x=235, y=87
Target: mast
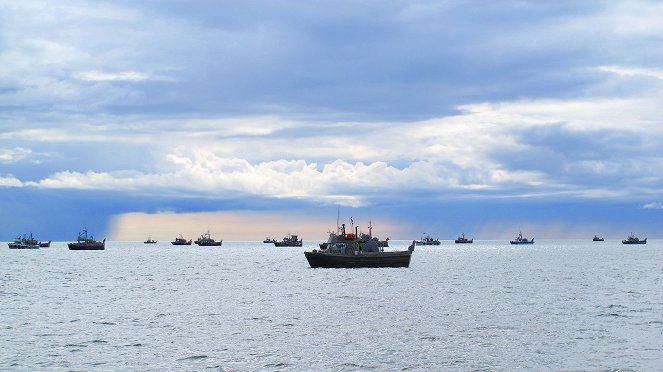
x=370, y=229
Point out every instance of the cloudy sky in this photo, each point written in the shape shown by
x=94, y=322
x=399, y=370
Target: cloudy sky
x=168, y=117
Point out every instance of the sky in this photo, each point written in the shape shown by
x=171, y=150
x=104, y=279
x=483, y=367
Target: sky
x=260, y=118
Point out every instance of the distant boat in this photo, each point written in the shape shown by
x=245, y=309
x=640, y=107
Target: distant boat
x=85, y=243
x=24, y=242
x=597, y=239
x=633, y=240
x=463, y=239
x=520, y=240
x=427, y=240
x=45, y=245
x=181, y=241
x=150, y=241
x=269, y=240
x=206, y=240
x=289, y=241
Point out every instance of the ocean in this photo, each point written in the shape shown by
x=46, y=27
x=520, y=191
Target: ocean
x=554, y=305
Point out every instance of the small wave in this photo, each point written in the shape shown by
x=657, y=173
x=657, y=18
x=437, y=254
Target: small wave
x=194, y=357
x=616, y=315
x=105, y=323
x=75, y=345
x=277, y=365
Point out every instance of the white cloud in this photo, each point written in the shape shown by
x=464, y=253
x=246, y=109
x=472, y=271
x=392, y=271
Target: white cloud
x=106, y=76
x=629, y=71
x=353, y=161
x=204, y=173
x=10, y=181
x=14, y=155
x=653, y=205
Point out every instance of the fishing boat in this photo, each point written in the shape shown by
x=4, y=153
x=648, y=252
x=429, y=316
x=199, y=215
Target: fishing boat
x=45, y=245
x=463, y=239
x=206, y=240
x=289, y=241
x=351, y=251
x=87, y=243
x=181, y=241
x=269, y=240
x=597, y=239
x=427, y=240
x=520, y=240
x=150, y=241
x=24, y=242
x=632, y=239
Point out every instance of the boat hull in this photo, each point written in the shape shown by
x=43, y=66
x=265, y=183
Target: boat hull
x=86, y=247
x=281, y=244
x=213, y=244
x=464, y=241
x=521, y=243
x=23, y=246
x=634, y=242
x=373, y=260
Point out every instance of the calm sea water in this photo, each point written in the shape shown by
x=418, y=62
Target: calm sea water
x=556, y=305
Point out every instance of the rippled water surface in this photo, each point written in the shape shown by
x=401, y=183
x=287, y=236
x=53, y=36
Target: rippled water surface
x=556, y=305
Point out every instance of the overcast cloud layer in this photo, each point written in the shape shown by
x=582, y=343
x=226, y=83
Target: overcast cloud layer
x=361, y=104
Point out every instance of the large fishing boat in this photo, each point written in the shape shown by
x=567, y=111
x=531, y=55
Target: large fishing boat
x=206, y=240
x=24, y=242
x=181, y=241
x=351, y=250
x=427, y=240
x=520, y=240
x=463, y=239
x=87, y=243
x=632, y=239
x=289, y=241
x=597, y=239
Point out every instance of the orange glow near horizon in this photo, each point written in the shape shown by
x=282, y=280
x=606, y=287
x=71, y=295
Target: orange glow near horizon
x=234, y=226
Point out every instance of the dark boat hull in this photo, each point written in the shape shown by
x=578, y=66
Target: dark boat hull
x=215, y=244
x=464, y=241
x=86, y=247
x=521, y=243
x=378, y=259
x=22, y=246
x=634, y=242
x=178, y=243
x=598, y=240
x=281, y=244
